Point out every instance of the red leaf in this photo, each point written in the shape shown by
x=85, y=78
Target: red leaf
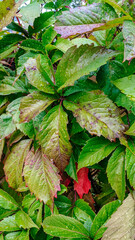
x=83, y=185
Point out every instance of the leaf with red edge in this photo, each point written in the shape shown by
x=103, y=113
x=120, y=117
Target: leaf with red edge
x=41, y=176
x=83, y=185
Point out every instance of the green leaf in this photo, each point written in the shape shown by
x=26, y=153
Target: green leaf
x=7, y=44
x=65, y=227
x=46, y=19
x=28, y=200
x=8, y=10
x=56, y=56
x=84, y=19
x=71, y=168
x=63, y=204
x=97, y=113
x=14, y=163
x=20, y=235
x=21, y=61
x=48, y=36
x=116, y=6
x=53, y=137
x=116, y=172
x=7, y=202
x=129, y=43
x=15, y=137
x=32, y=44
x=1, y=237
x=5, y=213
x=7, y=52
x=30, y=12
x=9, y=224
x=24, y=221
x=35, y=77
x=63, y=189
x=126, y=84
x=123, y=101
x=131, y=130
x=41, y=176
x=80, y=61
x=81, y=85
x=95, y=150
x=83, y=211
x=121, y=224
x=7, y=86
x=33, y=104
x=45, y=67
x=103, y=215
x=6, y=125
x=130, y=163
x=26, y=128
x=63, y=44
x=16, y=27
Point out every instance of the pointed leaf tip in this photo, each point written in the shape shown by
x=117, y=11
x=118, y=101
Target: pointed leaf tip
x=41, y=175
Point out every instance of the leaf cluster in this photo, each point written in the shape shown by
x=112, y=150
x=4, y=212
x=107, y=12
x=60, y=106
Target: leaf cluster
x=67, y=120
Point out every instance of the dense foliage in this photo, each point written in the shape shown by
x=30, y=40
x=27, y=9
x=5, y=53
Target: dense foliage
x=67, y=120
